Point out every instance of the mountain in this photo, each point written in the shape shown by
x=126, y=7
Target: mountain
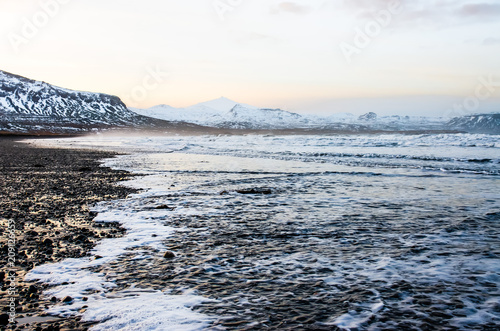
x=221, y=105
x=371, y=116
x=480, y=123
x=225, y=113
x=228, y=114
x=29, y=106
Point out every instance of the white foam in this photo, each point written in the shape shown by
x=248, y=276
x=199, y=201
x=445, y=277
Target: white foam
x=449, y=152
x=141, y=311
x=165, y=170
x=148, y=311
x=354, y=319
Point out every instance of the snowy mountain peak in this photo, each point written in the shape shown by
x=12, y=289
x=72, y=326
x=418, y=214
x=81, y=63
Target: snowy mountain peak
x=220, y=105
x=226, y=113
x=32, y=106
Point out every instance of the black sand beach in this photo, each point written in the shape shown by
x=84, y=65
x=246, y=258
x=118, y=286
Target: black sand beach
x=273, y=250
x=46, y=194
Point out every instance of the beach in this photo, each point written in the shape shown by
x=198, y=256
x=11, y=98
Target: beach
x=317, y=232
x=47, y=193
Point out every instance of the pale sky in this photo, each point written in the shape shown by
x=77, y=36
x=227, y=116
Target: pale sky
x=419, y=57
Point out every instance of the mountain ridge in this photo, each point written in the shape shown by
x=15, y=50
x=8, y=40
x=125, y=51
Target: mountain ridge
x=477, y=123
x=242, y=116
x=31, y=106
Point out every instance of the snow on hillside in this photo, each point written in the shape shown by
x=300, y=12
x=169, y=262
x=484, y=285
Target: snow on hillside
x=479, y=123
x=22, y=96
x=221, y=105
x=225, y=113
x=32, y=106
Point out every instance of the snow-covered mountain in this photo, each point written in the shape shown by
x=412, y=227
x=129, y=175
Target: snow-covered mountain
x=32, y=106
x=481, y=123
x=225, y=113
x=29, y=106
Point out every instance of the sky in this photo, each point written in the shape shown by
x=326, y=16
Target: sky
x=418, y=57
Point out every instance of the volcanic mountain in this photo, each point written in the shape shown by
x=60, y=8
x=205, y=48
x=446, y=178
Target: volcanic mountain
x=29, y=106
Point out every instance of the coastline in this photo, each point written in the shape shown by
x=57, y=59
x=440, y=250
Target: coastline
x=46, y=194
x=381, y=262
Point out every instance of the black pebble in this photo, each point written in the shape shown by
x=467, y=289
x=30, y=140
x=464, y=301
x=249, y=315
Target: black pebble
x=164, y=207
x=169, y=255
x=67, y=299
x=255, y=191
x=4, y=319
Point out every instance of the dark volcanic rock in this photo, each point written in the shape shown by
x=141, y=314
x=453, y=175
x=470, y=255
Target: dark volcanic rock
x=50, y=207
x=4, y=319
x=67, y=299
x=164, y=207
x=169, y=255
x=255, y=191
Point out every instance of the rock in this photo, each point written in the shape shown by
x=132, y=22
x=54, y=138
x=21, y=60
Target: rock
x=169, y=255
x=165, y=207
x=4, y=319
x=48, y=242
x=255, y=191
x=68, y=299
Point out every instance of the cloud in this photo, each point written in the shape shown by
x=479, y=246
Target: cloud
x=433, y=14
x=491, y=41
x=246, y=37
x=372, y=5
x=480, y=10
x=290, y=7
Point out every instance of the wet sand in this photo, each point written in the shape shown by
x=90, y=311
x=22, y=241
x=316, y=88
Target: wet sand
x=46, y=194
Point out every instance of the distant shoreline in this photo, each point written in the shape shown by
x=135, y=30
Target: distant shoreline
x=216, y=131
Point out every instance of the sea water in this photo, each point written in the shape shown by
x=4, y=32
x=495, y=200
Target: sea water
x=347, y=231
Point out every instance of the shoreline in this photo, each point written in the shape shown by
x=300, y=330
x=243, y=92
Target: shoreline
x=46, y=195
x=223, y=131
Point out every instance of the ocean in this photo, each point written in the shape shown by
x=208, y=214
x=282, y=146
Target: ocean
x=369, y=232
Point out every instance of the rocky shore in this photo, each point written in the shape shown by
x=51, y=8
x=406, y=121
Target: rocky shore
x=46, y=195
